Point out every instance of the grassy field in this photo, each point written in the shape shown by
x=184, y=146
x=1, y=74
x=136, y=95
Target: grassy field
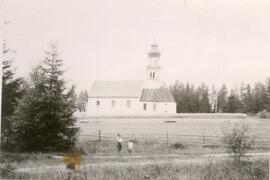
x=100, y=153
x=91, y=149
x=108, y=148
x=222, y=170
x=184, y=130
x=128, y=126
x=101, y=156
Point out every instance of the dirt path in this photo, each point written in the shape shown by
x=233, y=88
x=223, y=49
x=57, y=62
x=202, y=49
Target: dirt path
x=140, y=160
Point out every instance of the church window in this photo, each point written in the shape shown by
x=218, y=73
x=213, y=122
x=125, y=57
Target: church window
x=150, y=75
x=144, y=106
x=154, y=106
x=153, y=75
x=113, y=103
x=98, y=103
x=128, y=103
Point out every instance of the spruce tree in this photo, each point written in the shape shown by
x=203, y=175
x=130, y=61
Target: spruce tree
x=12, y=92
x=260, y=97
x=233, y=104
x=44, y=120
x=267, y=86
x=204, y=104
x=222, y=99
x=179, y=93
x=248, y=100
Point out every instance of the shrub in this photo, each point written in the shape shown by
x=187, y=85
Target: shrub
x=178, y=145
x=238, y=143
x=7, y=171
x=237, y=140
x=263, y=114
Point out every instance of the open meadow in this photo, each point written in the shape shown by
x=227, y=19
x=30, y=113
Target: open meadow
x=165, y=148
x=188, y=129
x=186, y=125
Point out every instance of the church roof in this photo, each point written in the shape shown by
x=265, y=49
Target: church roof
x=157, y=95
x=116, y=89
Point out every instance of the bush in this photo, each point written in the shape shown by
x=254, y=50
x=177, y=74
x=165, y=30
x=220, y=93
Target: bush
x=263, y=114
x=237, y=140
x=238, y=143
x=178, y=146
x=7, y=171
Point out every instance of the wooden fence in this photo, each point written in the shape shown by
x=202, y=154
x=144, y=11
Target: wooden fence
x=171, y=138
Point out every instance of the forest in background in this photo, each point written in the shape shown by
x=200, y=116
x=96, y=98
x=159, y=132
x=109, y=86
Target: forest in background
x=246, y=99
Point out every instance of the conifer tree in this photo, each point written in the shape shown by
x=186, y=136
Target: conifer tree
x=44, y=119
x=204, y=106
x=179, y=92
x=260, y=97
x=267, y=86
x=233, y=103
x=222, y=99
x=248, y=100
x=12, y=92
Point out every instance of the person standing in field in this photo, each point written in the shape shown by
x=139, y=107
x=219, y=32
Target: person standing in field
x=119, y=143
x=130, y=146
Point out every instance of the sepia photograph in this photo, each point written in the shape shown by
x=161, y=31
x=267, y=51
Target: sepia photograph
x=135, y=90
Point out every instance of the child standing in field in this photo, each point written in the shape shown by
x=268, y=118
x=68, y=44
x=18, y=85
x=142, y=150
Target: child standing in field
x=119, y=143
x=130, y=146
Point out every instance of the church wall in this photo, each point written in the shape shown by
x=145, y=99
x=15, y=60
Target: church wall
x=158, y=108
x=171, y=108
x=120, y=107
x=107, y=107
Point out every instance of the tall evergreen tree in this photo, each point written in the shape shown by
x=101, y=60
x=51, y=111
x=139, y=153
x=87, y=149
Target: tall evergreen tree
x=204, y=104
x=248, y=100
x=179, y=92
x=260, y=97
x=12, y=92
x=222, y=99
x=267, y=86
x=195, y=100
x=233, y=103
x=186, y=105
x=242, y=97
x=44, y=120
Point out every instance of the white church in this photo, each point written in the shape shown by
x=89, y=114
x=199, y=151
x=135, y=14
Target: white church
x=133, y=97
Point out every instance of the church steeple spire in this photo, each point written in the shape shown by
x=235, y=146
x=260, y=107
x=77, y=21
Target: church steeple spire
x=153, y=68
x=154, y=51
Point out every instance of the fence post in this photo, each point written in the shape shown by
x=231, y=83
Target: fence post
x=167, y=138
x=203, y=140
x=99, y=135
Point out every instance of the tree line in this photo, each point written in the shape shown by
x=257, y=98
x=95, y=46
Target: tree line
x=246, y=99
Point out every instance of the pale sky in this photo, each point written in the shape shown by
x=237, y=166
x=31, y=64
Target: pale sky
x=211, y=41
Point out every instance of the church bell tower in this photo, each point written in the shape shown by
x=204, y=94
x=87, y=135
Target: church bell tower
x=152, y=80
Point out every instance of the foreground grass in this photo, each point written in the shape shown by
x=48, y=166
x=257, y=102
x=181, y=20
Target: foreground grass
x=222, y=170
x=91, y=149
x=254, y=170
